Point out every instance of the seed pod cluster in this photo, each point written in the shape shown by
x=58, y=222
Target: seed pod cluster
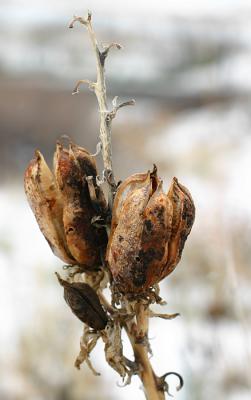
x=149, y=230
x=84, y=303
x=64, y=204
x=149, y=227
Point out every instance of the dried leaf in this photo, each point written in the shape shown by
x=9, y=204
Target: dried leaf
x=114, y=349
x=87, y=343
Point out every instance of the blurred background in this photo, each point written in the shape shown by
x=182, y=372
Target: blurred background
x=187, y=65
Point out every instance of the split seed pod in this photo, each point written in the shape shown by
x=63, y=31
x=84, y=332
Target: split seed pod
x=65, y=203
x=149, y=230
x=84, y=303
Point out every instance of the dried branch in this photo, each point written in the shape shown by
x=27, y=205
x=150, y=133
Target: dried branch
x=136, y=332
x=99, y=87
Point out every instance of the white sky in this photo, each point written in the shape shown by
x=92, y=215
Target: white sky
x=25, y=10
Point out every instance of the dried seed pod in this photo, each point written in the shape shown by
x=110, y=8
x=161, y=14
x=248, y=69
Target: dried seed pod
x=182, y=222
x=84, y=303
x=66, y=204
x=84, y=240
x=148, y=232
x=47, y=204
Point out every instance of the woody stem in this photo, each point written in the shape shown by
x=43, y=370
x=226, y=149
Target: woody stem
x=105, y=121
x=99, y=88
x=138, y=335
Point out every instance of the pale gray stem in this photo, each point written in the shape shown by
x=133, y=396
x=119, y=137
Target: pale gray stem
x=106, y=116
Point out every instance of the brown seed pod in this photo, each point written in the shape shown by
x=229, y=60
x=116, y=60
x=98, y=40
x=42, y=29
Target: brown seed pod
x=84, y=303
x=84, y=240
x=47, y=204
x=182, y=222
x=148, y=232
x=65, y=205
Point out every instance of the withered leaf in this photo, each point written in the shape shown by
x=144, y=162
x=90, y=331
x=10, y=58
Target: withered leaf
x=84, y=303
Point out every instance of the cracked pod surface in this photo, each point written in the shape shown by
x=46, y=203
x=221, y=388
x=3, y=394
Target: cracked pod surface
x=64, y=207
x=148, y=232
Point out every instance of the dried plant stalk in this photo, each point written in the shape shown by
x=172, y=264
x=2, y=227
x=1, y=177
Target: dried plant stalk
x=137, y=332
x=138, y=335
x=106, y=116
x=128, y=245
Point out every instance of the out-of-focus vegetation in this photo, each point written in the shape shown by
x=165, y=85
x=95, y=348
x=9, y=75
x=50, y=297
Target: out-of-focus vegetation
x=189, y=71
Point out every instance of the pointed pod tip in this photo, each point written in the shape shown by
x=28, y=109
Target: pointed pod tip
x=173, y=186
x=79, y=151
x=59, y=147
x=38, y=155
x=72, y=151
x=158, y=187
x=73, y=146
x=60, y=280
x=155, y=170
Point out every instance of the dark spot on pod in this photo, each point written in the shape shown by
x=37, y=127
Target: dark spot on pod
x=139, y=276
x=51, y=203
x=87, y=167
x=139, y=270
x=183, y=238
x=188, y=212
x=148, y=225
x=159, y=213
x=84, y=303
x=84, y=228
x=142, y=264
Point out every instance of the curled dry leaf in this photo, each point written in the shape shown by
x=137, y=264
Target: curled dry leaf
x=65, y=204
x=149, y=230
x=114, y=349
x=87, y=343
x=84, y=303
